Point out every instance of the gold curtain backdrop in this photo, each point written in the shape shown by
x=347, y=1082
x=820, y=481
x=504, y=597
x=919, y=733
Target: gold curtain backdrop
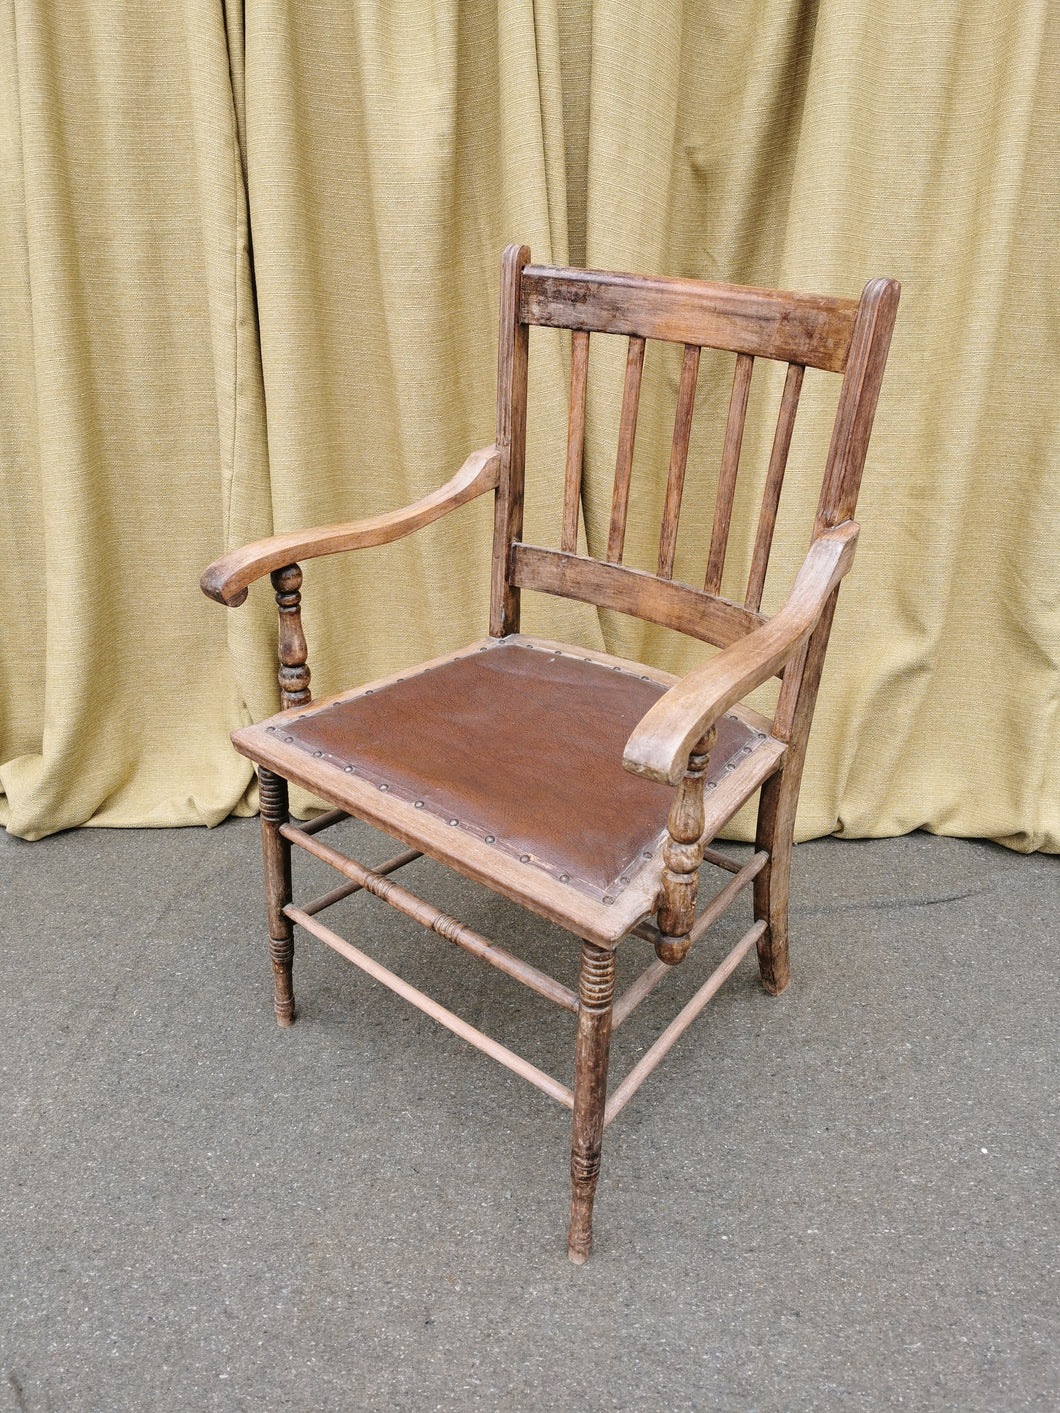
x=248, y=282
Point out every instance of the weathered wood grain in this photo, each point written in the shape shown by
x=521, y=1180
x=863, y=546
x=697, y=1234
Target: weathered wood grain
x=661, y=743
x=857, y=402
x=778, y=460
x=294, y=669
x=794, y=328
x=730, y=464
x=572, y=481
x=512, y=354
x=227, y=579
x=672, y=605
x=627, y=431
x=675, y=480
x=596, y=992
x=682, y=856
x=272, y=795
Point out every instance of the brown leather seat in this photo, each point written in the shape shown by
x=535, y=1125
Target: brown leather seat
x=517, y=744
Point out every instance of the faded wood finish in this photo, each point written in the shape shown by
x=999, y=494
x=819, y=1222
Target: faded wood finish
x=857, y=403
x=572, y=482
x=272, y=794
x=730, y=464
x=717, y=905
x=779, y=802
x=793, y=328
x=720, y=860
x=635, y=993
x=672, y=741
x=596, y=992
x=344, y=890
x=778, y=460
x=672, y=605
x=675, y=480
x=226, y=580
x=627, y=432
x=683, y=856
x=512, y=354
x=294, y=670
x=323, y=821
x=662, y=742
x=433, y=918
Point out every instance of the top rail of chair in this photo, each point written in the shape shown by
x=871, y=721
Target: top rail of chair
x=809, y=329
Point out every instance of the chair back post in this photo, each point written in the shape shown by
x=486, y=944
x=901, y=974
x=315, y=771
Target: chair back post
x=862, y=378
x=512, y=349
x=857, y=403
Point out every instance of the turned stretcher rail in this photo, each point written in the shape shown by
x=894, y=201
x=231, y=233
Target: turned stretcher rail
x=433, y=918
x=635, y=993
x=344, y=890
x=430, y=1007
x=322, y=821
x=677, y=1027
x=720, y=860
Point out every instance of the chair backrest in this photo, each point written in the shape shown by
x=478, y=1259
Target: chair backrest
x=841, y=336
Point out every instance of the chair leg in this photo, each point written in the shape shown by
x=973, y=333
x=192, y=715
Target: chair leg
x=776, y=825
x=277, y=857
x=596, y=992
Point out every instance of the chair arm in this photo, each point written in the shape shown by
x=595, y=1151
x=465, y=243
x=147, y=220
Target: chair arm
x=664, y=737
x=227, y=579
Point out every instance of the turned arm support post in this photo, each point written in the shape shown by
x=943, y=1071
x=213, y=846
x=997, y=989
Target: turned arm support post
x=294, y=671
x=227, y=579
x=682, y=856
x=673, y=740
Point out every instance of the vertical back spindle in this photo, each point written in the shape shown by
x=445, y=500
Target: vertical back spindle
x=627, y=431
x=730, y=461
x=675, y=481
x=572, y=485
x=778, y=460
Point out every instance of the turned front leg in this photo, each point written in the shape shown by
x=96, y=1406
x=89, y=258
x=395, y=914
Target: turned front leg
x=596, y=992
x=682, y=857
x=276, y=851
x=294, y=692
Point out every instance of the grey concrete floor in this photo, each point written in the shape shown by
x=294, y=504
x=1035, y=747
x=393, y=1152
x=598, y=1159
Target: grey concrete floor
x=839, y=1199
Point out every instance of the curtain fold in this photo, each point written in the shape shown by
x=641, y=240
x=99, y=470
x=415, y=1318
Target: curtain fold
x=248, y=281
x=823, y=145
x=125, y=407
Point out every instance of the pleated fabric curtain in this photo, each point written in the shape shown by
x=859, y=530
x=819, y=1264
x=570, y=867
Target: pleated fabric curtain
x=248, y=275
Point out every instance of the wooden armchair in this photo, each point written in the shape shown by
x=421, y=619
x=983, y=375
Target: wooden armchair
x=584, y=786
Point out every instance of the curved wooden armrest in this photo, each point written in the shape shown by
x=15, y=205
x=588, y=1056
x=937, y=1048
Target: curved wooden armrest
x=664, y=737
x=228, y=578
